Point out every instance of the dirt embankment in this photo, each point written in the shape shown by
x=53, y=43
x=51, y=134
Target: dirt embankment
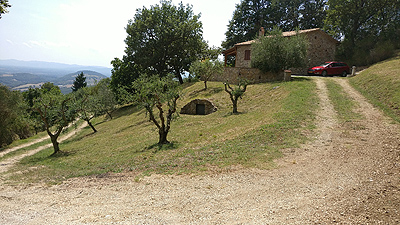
x=349, y=174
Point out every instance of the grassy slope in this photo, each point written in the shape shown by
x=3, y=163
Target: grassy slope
x=273, y=116
x=381, y=85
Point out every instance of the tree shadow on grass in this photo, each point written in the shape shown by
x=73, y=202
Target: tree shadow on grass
x=159, y=147
x=233, y=114
x=125, y=111
x=61, y=154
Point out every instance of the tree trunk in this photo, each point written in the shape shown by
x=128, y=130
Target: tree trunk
x=163, y=137
x=55, y=144
x=205, y=85
x=91, y=126
x=179, y=76
x=109, y=114
x=235, y=106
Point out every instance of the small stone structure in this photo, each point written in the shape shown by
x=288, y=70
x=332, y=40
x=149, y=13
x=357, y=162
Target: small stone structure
x=199, y=107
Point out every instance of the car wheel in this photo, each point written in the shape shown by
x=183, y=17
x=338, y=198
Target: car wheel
x=344, y=74
x=324, y=73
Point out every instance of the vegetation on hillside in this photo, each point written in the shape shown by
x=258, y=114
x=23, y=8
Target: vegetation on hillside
x=368, y=29
x=276, y=53
x=381, y=84
x=14, y=124
x=273, y=116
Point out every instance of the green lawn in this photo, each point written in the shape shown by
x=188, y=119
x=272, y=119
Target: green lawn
x=381, y=85
x=272, y=116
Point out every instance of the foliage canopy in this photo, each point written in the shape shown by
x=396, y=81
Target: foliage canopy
x=370, y=29
x=79, y=82
x=56, y=112
x=276, y=53
x=14, y=122
x=163, y=39
x=162, y=93
x=205, y=69
x=3, y=7
x=250, y=15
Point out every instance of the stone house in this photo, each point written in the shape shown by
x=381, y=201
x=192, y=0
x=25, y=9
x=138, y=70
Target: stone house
x=322, y=47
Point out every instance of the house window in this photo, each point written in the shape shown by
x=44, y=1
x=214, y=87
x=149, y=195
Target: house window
x=247, y=55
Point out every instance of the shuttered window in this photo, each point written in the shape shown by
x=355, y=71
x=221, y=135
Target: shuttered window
x=247, y=55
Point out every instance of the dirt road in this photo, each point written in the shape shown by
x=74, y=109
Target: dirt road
x=349, y=174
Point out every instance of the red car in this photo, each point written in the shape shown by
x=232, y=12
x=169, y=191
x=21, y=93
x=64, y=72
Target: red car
x=330, y=68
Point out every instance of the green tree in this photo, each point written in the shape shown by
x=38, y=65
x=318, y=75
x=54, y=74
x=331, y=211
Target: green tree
x=364, y=26
x=48, y=86
x=79, y=82
x=13, y=123
x=95, y=101
x=276, y=53
x=236, y=92
x=123, y=74
x=163, y=39
x=106, y=101
x=3, y=7
x=153, y=92
x=86, y=104
x=205, y=69
x=29, y=97
x=288, y=15
x=56, y=112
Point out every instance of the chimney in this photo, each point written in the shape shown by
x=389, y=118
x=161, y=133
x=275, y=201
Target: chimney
x=261, y=32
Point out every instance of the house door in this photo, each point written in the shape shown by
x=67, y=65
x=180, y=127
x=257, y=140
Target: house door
x=200, y=109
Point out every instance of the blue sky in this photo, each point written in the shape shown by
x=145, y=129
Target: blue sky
x=89, y=32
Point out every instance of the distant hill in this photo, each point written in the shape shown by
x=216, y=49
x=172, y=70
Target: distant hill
x=22, y=81
x=20, y=75
x=46, y=68
x=18, y=79
x=91, y=76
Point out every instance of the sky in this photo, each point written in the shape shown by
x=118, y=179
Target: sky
x=89, y=32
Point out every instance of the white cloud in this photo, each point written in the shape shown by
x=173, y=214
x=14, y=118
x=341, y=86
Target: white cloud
x=26, y=44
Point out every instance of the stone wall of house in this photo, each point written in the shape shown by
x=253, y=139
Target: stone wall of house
x=240, y=61
x=231, y=75
x=322, y=48
x=191, y=107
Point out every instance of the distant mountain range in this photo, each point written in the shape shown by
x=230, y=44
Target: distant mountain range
x=20, y=75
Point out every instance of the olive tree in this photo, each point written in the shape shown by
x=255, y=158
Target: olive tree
x=56, y=112
x=205, y=69
x=161, y=94
x=275, y=53
x=236, y=92
x=95, y=101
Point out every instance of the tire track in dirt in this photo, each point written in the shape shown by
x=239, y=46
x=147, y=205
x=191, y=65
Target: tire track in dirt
x=6, y=164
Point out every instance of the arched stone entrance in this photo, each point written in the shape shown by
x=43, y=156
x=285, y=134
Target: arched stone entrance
x=199, y=107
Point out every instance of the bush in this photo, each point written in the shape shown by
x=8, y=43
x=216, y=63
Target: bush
x=275, y=52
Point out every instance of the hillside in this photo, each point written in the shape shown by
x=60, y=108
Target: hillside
x=23, y=81
x=46, y=68
x=381, y=84
x=222, y=168
x=20, y=75
x=270, y=118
